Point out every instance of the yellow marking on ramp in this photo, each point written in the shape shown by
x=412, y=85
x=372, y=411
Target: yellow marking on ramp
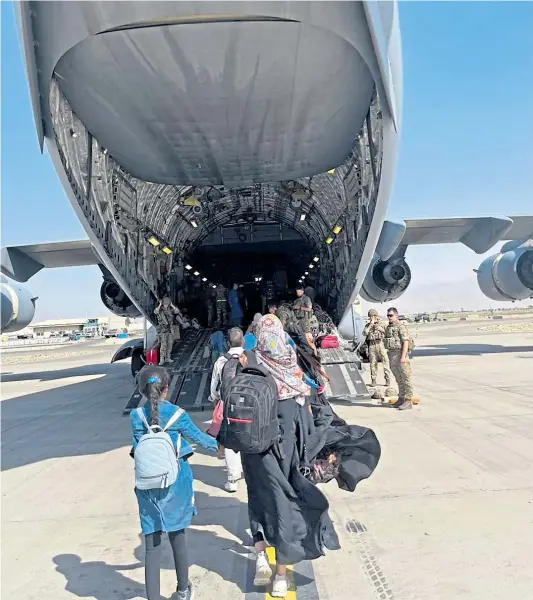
x=291, y=594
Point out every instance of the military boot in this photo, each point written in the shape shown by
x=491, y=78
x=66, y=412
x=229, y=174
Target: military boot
x=398, y=403
x=407, y=405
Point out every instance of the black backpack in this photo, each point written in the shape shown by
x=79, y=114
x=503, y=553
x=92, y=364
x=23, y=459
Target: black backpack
x=229, y=370
x=250, y=418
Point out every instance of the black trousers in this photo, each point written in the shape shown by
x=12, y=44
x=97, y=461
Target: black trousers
x=251, y=463
x=178, y=541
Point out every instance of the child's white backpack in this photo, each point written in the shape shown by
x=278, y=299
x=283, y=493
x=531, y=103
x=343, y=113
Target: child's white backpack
x=156, y=464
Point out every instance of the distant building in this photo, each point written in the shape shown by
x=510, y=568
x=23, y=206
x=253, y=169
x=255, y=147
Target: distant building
x=55, y=326
x=91, y=326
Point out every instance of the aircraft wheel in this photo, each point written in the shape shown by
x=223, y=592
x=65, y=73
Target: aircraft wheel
x=137, y=362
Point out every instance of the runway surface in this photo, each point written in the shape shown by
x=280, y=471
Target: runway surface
x=448, y=514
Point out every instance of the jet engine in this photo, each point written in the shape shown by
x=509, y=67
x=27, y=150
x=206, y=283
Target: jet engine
x=509, y=274
x=18, y=307
x=386, y=280
x=117, y=301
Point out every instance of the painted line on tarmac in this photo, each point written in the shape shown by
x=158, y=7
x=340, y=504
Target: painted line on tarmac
x=301, y=577
x=291, y=594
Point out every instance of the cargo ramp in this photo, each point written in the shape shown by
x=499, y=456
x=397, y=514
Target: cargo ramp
x=190, y=374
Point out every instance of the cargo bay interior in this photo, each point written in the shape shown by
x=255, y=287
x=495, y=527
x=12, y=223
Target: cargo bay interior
x=161, y=194
x=155, y=230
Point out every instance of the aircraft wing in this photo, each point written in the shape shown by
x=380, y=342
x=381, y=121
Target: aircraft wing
x=22, y=262
x=479, y=234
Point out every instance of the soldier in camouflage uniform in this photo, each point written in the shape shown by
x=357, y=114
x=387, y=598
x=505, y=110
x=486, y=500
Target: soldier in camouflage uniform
x=303, y=309
x=293, y=326
x=374, y=333
x=165, y=313
x=221, y=298
x=286, y=315
x=397, y=341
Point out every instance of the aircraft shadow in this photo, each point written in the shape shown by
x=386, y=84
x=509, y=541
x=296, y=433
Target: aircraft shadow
x=81, y=371
x=79, y=419
x=75, y=419
x=468, y=350
x=85, y=418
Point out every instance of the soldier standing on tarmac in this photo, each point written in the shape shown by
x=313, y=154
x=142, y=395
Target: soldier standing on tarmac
x=374, y=333
x=397, y=344
x=221, y=297
x=165, y=313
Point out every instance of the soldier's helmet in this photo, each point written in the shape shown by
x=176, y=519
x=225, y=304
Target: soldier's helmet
x=373, y=313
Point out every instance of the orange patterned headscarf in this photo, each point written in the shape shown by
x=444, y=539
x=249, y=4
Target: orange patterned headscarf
x=279, y=358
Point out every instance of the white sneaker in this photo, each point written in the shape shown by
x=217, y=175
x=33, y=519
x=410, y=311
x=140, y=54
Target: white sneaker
x=231, y=485
x=263, y=572
x=280, y=588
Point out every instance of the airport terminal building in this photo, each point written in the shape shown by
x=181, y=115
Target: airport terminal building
x=82, y=325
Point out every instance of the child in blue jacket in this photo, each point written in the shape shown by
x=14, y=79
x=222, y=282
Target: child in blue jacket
x=169, y=510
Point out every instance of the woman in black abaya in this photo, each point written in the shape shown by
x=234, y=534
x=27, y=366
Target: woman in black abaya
x=286, y=510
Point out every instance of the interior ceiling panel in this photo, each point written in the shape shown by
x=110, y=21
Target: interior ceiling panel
x=165, y=212
x=219, y=103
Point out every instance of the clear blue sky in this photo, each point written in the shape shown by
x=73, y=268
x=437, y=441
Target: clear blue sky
x=466, y=146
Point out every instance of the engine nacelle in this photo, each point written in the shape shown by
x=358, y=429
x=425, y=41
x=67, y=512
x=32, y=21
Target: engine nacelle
x=386, y=280
x=18, y=307
x=117, y=301
x=509, y=274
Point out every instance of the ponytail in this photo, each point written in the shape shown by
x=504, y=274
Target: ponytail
x=153, y=381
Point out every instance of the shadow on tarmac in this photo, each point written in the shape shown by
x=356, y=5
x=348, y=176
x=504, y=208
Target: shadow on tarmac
x=86, y=418
x=78, y=419
x=230, y=559
x=96, y=579
x=71, y=420
x=468, y=350
x=82, y=371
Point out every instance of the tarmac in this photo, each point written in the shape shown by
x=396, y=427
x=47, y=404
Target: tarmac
x=448, y=513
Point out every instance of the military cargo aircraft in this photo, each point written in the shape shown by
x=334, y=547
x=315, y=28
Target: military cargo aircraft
x=205, y=142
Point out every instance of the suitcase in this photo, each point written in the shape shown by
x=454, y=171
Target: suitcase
x=328, y=341
x=152, y=355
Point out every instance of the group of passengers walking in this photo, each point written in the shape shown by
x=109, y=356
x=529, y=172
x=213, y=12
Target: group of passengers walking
x=278, y=433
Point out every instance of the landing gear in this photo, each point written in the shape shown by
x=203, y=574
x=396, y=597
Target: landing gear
x=137, y=362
